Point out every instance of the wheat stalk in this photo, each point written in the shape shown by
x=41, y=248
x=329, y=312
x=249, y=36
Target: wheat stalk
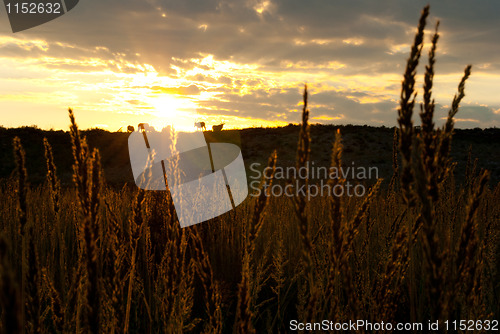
x=405, y=111
x=427, y=135
x=211, y=289
x=52, y=180
x=442, y=160
x=136, y=224
x=22, y=184
x=244, y=308
x=22, y=189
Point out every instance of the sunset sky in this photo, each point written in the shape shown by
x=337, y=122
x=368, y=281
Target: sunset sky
x=171, y=62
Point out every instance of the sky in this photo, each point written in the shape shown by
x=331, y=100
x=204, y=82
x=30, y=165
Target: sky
x=243, y=63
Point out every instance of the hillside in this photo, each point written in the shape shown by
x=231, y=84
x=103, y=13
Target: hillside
x=364, y=145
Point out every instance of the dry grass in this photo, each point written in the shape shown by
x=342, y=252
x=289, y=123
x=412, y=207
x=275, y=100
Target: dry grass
x=92, y=258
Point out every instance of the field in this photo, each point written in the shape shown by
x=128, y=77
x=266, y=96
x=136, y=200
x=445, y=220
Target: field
x=84, y=250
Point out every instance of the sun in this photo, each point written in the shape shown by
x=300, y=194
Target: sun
x=171, y=110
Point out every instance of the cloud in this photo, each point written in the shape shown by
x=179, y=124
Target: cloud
x=189, y=90
x=250, y=58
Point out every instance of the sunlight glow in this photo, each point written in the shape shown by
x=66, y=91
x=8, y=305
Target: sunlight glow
x=262, y=6
x=171, y=110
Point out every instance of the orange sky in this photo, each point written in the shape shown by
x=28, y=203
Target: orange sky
x=243, y=63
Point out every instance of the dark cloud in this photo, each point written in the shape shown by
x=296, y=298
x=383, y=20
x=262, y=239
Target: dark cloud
x=285, y=105
x=234, y=29
x=485, y=116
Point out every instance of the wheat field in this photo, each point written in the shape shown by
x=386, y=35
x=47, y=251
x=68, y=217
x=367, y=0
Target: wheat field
x=420, y=246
